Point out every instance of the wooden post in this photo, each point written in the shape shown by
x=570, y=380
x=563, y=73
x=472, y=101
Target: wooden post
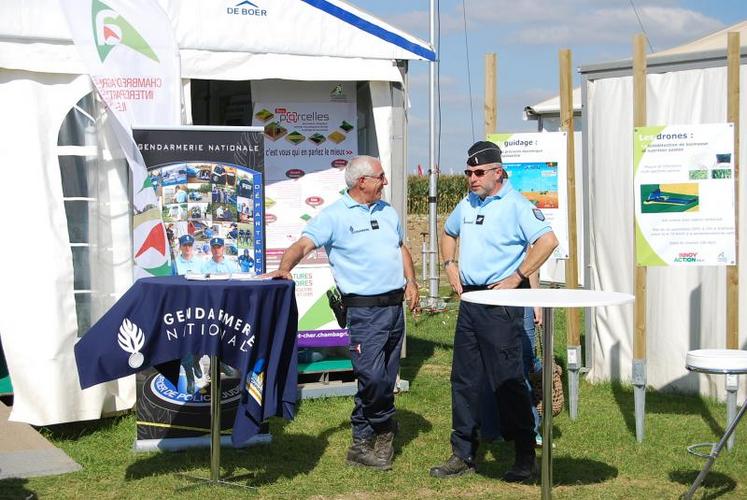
x=573, y=348
x=639, y=334
x=732, y=115
x=566, y=123
x=639, y=120
x=490, y=109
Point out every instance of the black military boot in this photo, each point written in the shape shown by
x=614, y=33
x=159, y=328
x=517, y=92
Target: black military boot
x=453, y=467
x=524, y=469
x=384, y=445
x=362, y=454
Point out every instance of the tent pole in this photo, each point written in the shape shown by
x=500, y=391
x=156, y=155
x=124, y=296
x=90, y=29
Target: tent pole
x=434, y=268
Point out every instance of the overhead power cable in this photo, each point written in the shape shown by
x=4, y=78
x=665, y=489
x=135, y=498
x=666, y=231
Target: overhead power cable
x=640, y=23
x=469, y=73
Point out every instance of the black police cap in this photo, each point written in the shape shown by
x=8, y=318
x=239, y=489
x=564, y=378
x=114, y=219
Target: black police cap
x=483, y=152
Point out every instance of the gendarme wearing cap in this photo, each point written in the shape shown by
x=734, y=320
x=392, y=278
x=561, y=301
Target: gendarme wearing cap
x=185, y=261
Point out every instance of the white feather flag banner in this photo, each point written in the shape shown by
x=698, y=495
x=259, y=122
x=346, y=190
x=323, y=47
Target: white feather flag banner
x=129, y=50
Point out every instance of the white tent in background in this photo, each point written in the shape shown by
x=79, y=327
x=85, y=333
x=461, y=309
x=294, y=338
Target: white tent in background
x=71, y=259
x=547, y=113
x=686, y=305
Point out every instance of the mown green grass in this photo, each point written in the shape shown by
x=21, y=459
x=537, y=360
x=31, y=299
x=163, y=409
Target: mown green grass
x=596, y=456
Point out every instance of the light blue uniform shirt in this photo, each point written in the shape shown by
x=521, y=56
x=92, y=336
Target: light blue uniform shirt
x=363, y=244
x=192, y=265
x=494, y=234
x=181, y=197
x=225, y=266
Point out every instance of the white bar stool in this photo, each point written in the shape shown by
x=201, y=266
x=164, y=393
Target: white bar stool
x=716, y=361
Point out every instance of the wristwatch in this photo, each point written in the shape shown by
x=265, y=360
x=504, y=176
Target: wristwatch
x=448, y=262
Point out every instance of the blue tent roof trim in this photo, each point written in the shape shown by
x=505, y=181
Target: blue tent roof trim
x=372, y=29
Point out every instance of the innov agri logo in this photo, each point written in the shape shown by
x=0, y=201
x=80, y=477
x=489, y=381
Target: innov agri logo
x=111, y=29
x=687, y=257
x=246, y=8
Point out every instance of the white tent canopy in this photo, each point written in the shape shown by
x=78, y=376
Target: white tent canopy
x=43, y=85
x=304, y=39
x=686, y=306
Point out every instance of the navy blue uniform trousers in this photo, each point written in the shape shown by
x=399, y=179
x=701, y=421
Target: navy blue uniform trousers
x=375, y=344
x=488, y=346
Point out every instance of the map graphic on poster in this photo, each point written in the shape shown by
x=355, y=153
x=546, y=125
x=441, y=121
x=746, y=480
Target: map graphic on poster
x=307, y=147
x=536, y=167
x=684, y=194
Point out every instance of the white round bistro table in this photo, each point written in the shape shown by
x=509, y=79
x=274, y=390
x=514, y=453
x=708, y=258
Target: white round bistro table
x=547, y=299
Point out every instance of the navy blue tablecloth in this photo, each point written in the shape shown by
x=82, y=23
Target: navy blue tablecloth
x=250, y=325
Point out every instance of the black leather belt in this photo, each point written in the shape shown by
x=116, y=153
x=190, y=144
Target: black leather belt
x=474, y=288
x=392, y=298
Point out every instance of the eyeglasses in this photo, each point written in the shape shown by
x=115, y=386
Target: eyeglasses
x=378, y=177
x=478, y=172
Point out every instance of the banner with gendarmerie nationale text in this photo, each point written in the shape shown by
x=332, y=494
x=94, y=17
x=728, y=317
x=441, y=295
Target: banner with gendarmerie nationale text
x=210, y=185
x=129, y=50
x=684, y=195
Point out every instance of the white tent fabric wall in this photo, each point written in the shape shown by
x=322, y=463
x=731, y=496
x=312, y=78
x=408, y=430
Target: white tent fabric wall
x=37, y=294
x=686, y=306
x=381, y=101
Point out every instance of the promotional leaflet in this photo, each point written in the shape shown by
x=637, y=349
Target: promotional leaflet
x=307, y=147
x=684, y=194
x=209, y=182
x=536, y=167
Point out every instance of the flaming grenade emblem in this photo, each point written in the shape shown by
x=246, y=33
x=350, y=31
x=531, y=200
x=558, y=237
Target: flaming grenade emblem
x=131, y=339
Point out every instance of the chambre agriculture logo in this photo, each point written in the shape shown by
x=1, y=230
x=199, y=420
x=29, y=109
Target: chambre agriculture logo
x=110, y=29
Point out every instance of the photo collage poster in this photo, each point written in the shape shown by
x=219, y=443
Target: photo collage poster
x=209, y=189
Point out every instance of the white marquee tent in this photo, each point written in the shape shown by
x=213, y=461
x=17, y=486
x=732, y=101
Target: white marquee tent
x=686, y=306
x=48, y=128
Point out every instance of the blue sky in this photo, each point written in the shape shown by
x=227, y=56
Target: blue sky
x=526, y=36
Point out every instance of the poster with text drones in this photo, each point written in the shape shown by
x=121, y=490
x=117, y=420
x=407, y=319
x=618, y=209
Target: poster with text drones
x=210, y=185
x=536, y=165
x=684, y=195
x=310, y=131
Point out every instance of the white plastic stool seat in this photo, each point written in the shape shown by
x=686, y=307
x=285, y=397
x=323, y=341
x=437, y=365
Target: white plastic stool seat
x=730, y=361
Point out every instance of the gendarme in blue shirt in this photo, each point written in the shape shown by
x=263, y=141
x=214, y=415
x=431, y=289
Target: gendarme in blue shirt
x=193, y=265
x=363, y=244
x=224, y=266
x=494, y=234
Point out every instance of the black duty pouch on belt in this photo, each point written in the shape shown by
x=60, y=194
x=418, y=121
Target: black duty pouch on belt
x=338, y=308
x=391, y=298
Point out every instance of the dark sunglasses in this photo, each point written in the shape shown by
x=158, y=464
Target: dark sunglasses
x=478, y=172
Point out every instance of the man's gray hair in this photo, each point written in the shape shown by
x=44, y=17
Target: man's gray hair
x=358, y=167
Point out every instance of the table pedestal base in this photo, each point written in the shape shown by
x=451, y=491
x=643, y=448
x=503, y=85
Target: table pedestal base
x=214, y=478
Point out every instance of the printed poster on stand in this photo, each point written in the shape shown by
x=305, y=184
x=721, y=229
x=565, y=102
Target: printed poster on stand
x=536, y=164
x=209, y=182
x=684, y=195
x=307, y=147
